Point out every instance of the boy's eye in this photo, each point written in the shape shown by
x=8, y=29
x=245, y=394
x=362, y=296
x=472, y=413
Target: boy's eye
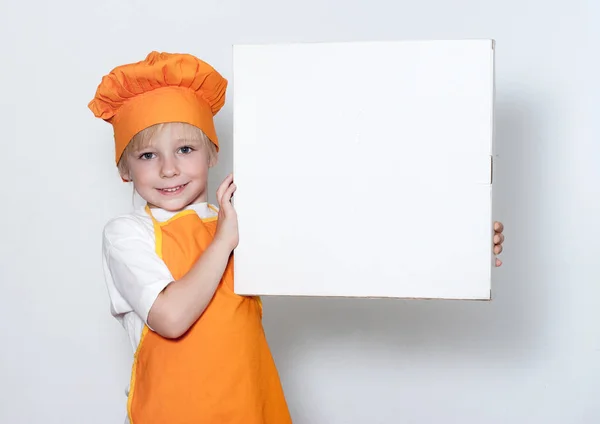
x=186, y=149
x=146, y=156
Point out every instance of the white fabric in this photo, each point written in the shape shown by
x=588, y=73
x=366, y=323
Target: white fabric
x=134, y=273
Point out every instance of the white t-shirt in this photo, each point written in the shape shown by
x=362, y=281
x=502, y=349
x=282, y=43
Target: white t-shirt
x=135, y=275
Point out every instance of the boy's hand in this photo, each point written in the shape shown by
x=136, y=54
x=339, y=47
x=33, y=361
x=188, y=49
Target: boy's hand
x=227, y=226
x=498, y=240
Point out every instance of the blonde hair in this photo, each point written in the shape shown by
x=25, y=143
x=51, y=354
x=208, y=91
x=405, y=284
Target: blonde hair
x=143, y=140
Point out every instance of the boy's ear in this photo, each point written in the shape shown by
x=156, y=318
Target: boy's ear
x=125, y=176
x=123, y=169
x=213, y=159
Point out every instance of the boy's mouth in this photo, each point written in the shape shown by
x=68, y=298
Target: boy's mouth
x=172, y=190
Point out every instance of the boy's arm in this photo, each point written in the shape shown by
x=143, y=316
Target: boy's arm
x=182, y=302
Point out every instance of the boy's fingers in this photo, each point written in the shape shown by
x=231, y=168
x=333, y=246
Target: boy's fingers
x=230, y=191
x=223, y=188
x=498, y=227
x=226, y=199
x=220, y=191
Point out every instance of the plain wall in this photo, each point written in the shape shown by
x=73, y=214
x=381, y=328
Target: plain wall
x=532, y=355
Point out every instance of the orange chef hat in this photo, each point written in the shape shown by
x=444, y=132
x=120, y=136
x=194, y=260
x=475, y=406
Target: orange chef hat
x=164, y=87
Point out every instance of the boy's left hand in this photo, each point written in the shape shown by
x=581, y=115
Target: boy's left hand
x=498, y=240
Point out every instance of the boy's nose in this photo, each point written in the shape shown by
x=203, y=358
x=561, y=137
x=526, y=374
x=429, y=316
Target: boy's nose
x=169, y=168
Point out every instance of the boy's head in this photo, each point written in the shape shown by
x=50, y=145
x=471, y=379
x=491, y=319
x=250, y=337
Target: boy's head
x=165, y=103
x=168, y=164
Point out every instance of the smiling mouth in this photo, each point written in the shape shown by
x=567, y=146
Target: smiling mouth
x=172, y=190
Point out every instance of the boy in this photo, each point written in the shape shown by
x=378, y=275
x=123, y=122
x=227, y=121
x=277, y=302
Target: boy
x=201, y=355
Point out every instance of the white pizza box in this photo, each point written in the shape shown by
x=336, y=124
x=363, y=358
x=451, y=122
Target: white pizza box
x=364, y=169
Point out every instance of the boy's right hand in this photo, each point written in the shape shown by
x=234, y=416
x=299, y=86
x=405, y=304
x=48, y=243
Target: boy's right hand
x=227, y=225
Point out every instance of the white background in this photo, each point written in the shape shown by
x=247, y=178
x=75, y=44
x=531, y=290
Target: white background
x=532, y=355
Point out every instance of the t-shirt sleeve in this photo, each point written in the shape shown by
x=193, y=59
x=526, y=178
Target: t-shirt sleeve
x=135, y=274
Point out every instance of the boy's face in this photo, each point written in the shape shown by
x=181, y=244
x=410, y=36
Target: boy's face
x=172, y=173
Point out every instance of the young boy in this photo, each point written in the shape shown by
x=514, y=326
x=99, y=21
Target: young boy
x=201, y=355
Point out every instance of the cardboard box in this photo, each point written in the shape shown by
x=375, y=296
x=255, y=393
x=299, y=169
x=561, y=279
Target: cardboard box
x=364, y=169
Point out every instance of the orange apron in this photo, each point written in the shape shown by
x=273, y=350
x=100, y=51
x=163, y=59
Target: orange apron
x=220, y=371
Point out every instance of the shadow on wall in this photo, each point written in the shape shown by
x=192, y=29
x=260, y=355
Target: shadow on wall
x=503, y=332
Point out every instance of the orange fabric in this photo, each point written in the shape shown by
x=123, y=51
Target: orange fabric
x=164, y=87
x=221, y=371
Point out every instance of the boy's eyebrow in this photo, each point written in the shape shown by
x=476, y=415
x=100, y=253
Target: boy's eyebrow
x=141, y=149
x=195, y=139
